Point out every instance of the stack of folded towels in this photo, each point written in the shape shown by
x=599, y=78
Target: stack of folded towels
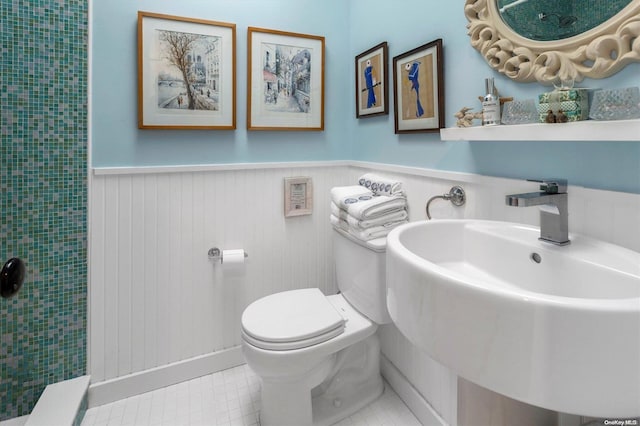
x=371, y=209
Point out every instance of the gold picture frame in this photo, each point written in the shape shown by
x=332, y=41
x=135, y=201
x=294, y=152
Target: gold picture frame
x=186, y=73
x=285, y=89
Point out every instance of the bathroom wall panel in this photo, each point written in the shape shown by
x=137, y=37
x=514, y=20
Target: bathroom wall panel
x=124, y=268
x=149, y=271
x=155, y=296
x=137, y=272
x=110, y=280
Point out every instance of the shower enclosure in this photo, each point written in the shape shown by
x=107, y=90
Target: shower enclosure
x=43, y=198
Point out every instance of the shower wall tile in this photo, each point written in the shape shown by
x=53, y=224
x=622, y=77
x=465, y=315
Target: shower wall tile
x=43, y=187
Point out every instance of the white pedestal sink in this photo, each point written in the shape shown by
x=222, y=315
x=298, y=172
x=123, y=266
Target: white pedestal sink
x=556, y=327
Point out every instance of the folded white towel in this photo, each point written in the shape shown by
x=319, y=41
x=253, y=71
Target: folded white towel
x=392, y=219
x=381, y=185
x=392, y=216
x=370, y=233
x=344, y=196
x=338, y=212
x=376, y=207
x=339, y=223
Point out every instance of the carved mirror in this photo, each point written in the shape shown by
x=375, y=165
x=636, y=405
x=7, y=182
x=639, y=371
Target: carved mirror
x=551, y=41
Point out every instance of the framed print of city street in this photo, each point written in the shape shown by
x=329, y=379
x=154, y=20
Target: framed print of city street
x=285, y=76
x=372, y=90
x=418, y=89
x=186, y=73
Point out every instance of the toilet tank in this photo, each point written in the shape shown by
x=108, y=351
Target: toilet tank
x=360, y=273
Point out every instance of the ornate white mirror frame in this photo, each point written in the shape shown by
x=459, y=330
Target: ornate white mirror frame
x=597, y=53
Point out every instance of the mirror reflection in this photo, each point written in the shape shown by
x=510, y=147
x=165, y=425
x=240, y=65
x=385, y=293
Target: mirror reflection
x=547, y=20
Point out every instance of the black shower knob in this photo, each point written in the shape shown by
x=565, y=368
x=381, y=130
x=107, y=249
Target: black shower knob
x=11, y=277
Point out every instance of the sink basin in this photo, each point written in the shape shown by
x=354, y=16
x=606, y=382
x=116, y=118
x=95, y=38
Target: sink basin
x=556, y=327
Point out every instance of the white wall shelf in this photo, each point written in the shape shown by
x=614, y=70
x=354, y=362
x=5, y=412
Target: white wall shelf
x=620, y=130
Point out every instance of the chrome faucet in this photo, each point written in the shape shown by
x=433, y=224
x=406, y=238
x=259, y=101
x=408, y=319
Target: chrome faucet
x=554, y=214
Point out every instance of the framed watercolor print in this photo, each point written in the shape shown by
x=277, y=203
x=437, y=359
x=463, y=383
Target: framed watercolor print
x=285, y=81
x=418, y=88
x=186, y=73
x=298, y=196
x=372, y=90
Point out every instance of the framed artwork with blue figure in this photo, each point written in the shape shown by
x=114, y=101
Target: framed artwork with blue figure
x=418, y=88
x=372, y=90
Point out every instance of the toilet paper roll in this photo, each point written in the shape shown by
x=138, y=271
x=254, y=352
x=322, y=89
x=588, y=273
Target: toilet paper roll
x=233, y=257
x=233, y=265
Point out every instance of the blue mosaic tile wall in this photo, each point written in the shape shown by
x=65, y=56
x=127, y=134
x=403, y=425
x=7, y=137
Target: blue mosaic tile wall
x=43, y=196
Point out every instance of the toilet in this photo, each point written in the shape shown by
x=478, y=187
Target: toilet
x=318, y=357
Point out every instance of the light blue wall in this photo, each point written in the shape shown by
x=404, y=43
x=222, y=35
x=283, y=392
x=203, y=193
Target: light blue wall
x=411, y=23
x=350, y=27
x=116, y=138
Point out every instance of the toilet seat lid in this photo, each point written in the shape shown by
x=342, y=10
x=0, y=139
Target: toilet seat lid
x=282, y=319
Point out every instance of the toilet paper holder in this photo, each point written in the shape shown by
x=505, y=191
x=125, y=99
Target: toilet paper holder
x=215, y=253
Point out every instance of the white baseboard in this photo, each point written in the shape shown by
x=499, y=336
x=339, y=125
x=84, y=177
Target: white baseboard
x=420, y=407
x=146, y=381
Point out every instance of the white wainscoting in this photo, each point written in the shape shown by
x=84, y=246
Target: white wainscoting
x=155, y=298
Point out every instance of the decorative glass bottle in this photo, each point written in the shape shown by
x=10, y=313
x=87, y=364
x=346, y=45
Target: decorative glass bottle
x=490, y=104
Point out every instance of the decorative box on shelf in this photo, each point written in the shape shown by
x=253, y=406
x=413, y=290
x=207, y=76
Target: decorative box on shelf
x=572, y=103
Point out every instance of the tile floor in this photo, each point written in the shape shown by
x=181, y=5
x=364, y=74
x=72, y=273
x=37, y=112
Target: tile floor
x=229, y=398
